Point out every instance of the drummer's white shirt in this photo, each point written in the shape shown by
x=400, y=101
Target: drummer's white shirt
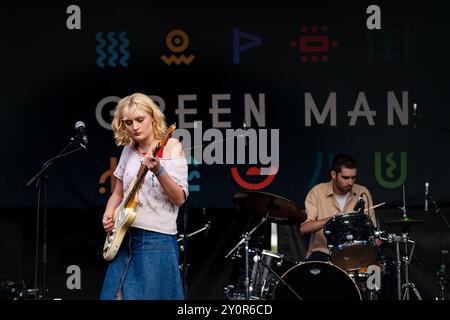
x=342, y=200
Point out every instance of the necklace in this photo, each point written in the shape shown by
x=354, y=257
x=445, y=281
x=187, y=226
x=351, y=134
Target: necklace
x=141, y=153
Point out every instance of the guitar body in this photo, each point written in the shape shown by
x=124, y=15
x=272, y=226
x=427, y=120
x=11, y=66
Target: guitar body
x=125, y=214
x=114, y=239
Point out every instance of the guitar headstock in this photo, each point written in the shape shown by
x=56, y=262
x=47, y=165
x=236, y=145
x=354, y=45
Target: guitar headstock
x=166, y=138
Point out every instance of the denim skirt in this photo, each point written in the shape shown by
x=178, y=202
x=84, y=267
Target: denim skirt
x=145, y=268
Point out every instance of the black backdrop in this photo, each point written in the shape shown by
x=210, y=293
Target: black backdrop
x=53, y=76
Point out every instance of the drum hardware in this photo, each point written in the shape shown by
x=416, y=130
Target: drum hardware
x=10, y=290
x=270, y=207
x=404, y=223
x=442, y=277
x=406, y=260
x=278, y=277
x=245, y=239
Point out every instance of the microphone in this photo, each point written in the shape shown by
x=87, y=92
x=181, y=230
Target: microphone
x=81, y=128
x=359, y=206
x=414, y=115
x=426, y=196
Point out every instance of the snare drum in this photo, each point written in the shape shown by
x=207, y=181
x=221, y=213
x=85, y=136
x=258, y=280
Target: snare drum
x=351, y=240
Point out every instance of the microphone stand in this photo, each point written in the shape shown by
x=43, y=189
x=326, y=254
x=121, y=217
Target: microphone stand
x=443, y=253
x=205, y=228
x=438, y=210
x=433, y=124
x=184, y=249
x=183, y=238
x=41, y=180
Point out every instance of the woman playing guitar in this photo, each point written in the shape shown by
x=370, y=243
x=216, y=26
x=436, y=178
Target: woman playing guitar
x=141, y=214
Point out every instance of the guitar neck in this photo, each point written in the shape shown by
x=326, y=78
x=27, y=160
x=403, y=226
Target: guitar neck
x=143, y=168
x=137, y=185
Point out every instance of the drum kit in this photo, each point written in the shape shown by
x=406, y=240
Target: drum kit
x=354, y=270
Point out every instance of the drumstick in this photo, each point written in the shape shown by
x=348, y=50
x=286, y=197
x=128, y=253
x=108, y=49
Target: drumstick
x=373, y=207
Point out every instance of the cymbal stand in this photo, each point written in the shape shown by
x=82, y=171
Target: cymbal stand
x=391, y=237
x=245, y=239
x=442, y=277
x=406, y=261
x=405, y=258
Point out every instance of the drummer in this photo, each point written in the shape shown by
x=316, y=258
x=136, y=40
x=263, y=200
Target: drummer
x=326, y=200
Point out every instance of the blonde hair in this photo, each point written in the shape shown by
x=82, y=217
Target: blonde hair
x=137, y=102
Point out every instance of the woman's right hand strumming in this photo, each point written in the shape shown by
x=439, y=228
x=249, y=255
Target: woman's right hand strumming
x=108, y=223
x=114, y=200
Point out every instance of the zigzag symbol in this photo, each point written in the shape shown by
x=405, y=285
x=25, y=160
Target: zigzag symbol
x=177, y=60
x=112, y=49
x=112, y=46
x=99, y=49
x=125, y=44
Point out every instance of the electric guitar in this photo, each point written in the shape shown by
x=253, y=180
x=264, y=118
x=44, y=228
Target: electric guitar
x=124, y=214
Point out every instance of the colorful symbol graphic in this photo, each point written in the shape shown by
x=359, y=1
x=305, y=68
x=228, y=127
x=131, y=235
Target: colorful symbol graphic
x=109, y=174
x=314, y=47
x=391, y=169
x=177, y=41
x=112, y=49
x=193, y=175
x=254, y=171
x=238, y=47
x=388, y=46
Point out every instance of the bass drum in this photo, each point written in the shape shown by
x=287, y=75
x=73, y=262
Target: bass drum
x=316, y=280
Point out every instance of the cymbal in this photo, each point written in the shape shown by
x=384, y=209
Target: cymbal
x=405, y=221
x=269, y=205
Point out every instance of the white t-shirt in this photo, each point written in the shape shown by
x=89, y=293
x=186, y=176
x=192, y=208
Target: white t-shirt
x=341, y=200
x=154, y=212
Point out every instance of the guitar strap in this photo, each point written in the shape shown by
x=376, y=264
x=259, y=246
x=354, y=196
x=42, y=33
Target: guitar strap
x=160, y=152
